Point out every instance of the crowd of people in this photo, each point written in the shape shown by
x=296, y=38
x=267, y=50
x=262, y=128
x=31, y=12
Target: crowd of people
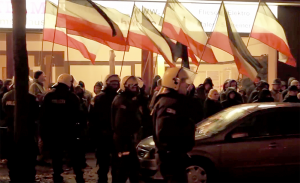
x=66, y=119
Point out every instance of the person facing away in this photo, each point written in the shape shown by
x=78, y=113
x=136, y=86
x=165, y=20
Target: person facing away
x=292, y=95
x=126, y=123
x=21, y=172
x=212, y=105
x=60, y=125
x=37, y=87
x=231, y=98
x=244, y=96
x=276, y=94
x=264, y=96
x=174, y=131
x=100, y=125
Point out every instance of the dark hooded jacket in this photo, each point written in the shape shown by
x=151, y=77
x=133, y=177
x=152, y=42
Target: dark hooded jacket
x=292, y=99
x=223, y=92
x=231, y=102
x=255, y=94
x=287, y=90
x=265, y=96
x=201, y=93
x=211, y=107
x=196, y=107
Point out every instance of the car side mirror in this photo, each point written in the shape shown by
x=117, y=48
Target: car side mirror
x=239, y=135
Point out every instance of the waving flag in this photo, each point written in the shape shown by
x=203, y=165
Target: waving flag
x=267, y=29
x=228, y=39
x=157, y=22
x=86, y=19
x=144, y=35
x=51, y=33
x=179, y=24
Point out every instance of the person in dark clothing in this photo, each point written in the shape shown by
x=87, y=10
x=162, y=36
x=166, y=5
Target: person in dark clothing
x=19, y=172
x=289, y=84
x=233, y=84
x=252, y=87
x=203, y=89
x=174, y=133
x=154, y=85
x=292, y=95
x=126, y=122
x=244, y=96
x=283, y=86
x=1, y=83
x=3, y=90
x=293, y=83
x=100, y=125
x=211, y=104
x=156, y=90
x=87, y=94
x=59, y=128
x=264, y=96
x=195, y=105
x=98, y=87
x=223, y=92
x=147, y=126
x=231, y=98
x=260, y=86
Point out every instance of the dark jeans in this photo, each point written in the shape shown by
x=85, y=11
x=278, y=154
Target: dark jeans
x=125, y=165
x=76, y=154
x=173, y=166
x=104, y=152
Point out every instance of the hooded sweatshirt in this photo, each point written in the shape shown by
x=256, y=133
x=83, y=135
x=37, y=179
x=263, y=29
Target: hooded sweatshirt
x=231, y=102
x=201, y=93
x=255, y=94
x=265, y=96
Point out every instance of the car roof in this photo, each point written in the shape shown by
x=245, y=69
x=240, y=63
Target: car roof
x=252, y=107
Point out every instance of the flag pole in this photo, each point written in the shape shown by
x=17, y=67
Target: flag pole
x=253, y=23
x=209, y=37
x=54, y=32
x=41, y=53
x=126, y=43
x=67, y=39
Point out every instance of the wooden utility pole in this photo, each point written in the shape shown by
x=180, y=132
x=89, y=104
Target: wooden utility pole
x=22, y=148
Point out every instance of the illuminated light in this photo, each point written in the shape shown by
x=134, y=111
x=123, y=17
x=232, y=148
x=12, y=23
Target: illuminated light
x=266, y=105
x=152, y=143
x=241, y=13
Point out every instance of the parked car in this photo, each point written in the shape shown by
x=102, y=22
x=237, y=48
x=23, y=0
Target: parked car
x=258, y=140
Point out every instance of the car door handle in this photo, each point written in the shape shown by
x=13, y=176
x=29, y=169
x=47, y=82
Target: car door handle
x=273, y=145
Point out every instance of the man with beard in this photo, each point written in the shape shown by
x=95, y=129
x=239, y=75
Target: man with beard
x=100, y=125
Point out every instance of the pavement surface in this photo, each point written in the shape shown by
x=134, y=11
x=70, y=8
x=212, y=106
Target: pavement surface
x=44, y=174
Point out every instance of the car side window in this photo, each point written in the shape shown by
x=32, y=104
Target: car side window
x=259, y=124
x=290, y=118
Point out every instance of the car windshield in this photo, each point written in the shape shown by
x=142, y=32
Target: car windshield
x=220, y=121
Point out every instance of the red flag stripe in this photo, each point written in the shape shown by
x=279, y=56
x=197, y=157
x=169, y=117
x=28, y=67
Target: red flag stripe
x=177, y=34
x=89, y=30
x=61, y=39
x=143, y=42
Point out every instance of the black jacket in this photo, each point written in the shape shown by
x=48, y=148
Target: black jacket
x=8, y=106
x=201, y=92
x=265, y=96
x=231, y=102
x=174, y=130
x=59, y=119
x=292, y=99
x=211, y=107
x=100, y=121
x=223, y=92
x=126, y=121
